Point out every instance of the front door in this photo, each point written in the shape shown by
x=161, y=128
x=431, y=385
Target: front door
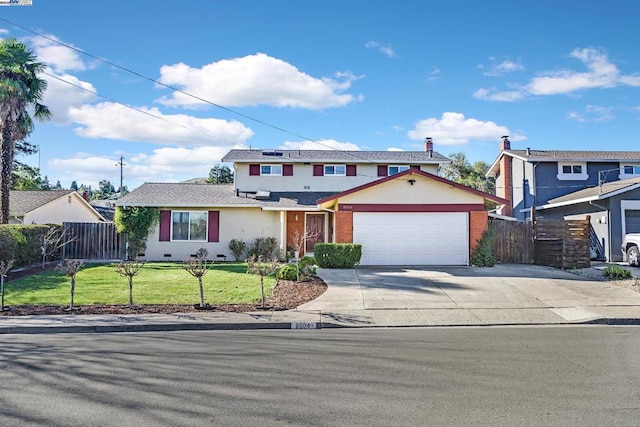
x=314, y=231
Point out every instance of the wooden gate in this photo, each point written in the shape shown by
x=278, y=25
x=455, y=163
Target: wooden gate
x=513, y=241
x=93, y=240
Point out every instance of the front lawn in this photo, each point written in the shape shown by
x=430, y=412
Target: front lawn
x=157, y=283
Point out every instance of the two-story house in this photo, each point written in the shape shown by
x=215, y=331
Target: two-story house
x=572, y=184
x=392, y=202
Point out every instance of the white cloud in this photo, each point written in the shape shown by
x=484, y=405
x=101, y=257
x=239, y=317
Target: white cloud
x=433, y=74
x=57, y=56
x=322, y=144
x=167, y=164
x=61, y=96
x=495, y=95
x=497, y=69
x=394, y=149
x=592, y=113
x=4, y=31
x=601, y=73
x=115, y=121
x=453, y=129
x=255, y=80
x=382, y=48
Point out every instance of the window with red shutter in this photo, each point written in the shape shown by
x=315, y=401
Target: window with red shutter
x=351, y=170
x=383, y=170
x=318, y=170
x=165, y=226
x=213, y=232
x=254, y=170
x=287, y=170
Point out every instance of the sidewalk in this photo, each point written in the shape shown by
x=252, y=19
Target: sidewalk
x=393, y=297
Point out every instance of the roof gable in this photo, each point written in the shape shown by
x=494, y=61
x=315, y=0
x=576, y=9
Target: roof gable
x=22, y=202
x=489, y=199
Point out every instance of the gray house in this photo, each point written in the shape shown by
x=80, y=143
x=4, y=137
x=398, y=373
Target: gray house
x=572, y=184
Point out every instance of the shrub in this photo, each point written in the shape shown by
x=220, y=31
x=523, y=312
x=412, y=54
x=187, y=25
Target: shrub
x=22, y=243
x=307, y=266
x=616, y=272
x=266, y=247
x=288, y=272
x=237, y=247
x=337, y=255
x=137, y=222
x=482, y=255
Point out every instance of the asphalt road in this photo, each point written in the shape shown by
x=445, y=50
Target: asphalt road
x=550, y=376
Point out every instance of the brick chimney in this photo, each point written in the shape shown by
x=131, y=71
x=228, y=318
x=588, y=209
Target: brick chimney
x=505, y=144
x=428, y=146
x=85, y=196
x=504, y=182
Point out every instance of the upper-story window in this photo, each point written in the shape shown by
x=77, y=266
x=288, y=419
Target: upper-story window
x=335, y=170
x=271, y=170
x=394, y=169
x=629, y=170
x=572, y=171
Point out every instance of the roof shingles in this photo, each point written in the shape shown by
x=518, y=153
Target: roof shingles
x=22, y=202
x=284, y=156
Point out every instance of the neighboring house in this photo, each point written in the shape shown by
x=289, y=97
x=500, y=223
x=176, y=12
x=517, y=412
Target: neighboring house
x=572, y=184
x=50, y=207
x=392, y=202
x=104, y=207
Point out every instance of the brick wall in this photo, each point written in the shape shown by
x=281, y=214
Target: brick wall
x=478, y=223
x=344, y=227
x=504, y=184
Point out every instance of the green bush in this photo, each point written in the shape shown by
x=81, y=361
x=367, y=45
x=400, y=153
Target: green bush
x=307, y=266
x=237, y=247
x=616, y=272
x=267, y=247
x=22, y=243
x=482, y=255
x=337, y=255
x=288, y=272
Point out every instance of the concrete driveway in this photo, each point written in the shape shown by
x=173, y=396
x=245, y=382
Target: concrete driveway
x=468, y=295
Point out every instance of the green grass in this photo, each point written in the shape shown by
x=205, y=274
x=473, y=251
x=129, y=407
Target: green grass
x=157, y=283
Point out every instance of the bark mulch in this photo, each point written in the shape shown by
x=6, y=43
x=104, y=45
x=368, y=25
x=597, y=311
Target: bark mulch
x=286, y=295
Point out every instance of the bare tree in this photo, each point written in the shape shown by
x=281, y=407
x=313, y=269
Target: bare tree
x=299, y=239
x=5, y=266
x=256, y=265
x=70, y=267
x=54, y=240
x=198, y=267
x=129, y=269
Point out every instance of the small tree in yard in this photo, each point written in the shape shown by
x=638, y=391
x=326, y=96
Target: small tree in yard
x=5, y=266
x=238, y=247
x=197, y=267
x=54, y=240
x=129, y=269
x=71, y=267
x=256, y=265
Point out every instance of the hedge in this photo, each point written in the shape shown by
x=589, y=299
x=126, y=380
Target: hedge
x=22, y=243
x=337, y=255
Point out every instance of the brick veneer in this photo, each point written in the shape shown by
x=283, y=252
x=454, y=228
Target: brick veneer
x=478, y=223
x=344, y=227
x=504, y=186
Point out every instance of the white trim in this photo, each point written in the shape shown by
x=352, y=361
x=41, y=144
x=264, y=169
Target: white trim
x=563, y=176
x=587, y=199
x=271, y=166
x=622, y=175
x=397, y=166
x=625, y=205
x=334, y=165
x=206, y=229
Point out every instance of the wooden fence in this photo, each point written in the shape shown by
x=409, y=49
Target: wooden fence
x=557, y=243
x=93, y=240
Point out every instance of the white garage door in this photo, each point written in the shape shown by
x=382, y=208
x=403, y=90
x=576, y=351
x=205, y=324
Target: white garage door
x=412, y=238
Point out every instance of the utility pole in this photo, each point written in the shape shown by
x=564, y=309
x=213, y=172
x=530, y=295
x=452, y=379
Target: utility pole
x=121, y=164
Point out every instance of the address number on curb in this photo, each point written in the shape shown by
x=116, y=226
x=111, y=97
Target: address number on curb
x=304, y=325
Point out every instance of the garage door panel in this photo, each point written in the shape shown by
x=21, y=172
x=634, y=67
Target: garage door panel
x=412, y=238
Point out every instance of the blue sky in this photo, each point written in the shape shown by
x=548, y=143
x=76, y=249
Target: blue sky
x=369, y=75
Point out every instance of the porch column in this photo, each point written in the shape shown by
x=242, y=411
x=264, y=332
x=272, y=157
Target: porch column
x=283, y=231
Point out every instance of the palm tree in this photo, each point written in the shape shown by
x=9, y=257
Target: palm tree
x=20, y=89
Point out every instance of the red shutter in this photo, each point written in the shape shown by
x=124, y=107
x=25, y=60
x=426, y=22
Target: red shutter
x=351, y=170
x=254, y=170
x=214, y=226
x=287, y=170
x=318, y=170
x=165, y=226
x=383, y=170
x=415, y=167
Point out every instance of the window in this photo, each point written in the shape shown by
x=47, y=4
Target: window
x=394, y=169
x=190, y=226
x=572, y=171
x=336, y=170
x=629, y=171
x=271, y=170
